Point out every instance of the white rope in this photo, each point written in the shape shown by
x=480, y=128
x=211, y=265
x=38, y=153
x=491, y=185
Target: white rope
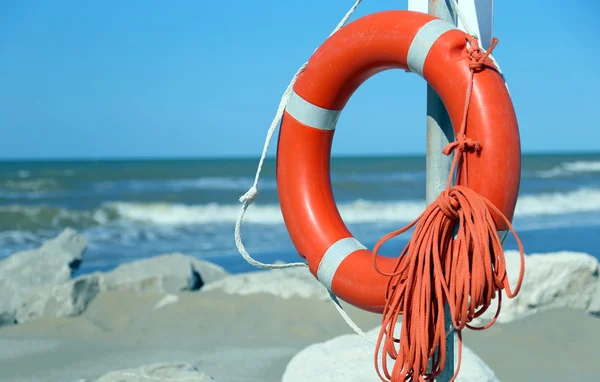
x=469, y=30
x=349, y=320
x=248, y=198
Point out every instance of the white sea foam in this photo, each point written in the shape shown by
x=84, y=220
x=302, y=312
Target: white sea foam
x=571, y=168
x=360, y=211
x=557, y=203
x=356, y=212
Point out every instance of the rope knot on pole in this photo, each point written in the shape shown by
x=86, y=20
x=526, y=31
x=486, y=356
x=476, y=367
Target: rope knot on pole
x=461, y=145
x=476, y=55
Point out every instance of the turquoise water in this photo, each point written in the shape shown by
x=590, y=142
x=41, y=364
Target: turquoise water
x=134, y=209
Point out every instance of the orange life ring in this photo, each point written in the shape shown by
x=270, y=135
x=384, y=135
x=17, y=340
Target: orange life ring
x=400, y=39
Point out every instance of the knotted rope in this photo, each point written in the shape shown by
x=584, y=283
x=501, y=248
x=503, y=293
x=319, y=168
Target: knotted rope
x=454, y=257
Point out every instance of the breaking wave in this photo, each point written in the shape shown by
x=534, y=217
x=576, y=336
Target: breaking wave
x=571, y=168
x=359, y=211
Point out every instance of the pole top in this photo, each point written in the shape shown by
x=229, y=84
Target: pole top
x=478, y=17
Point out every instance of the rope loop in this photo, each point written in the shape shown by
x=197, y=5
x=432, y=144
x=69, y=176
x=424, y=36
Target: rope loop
x=449, y=204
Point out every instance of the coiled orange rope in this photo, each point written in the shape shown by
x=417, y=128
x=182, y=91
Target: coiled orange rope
x=454, y=256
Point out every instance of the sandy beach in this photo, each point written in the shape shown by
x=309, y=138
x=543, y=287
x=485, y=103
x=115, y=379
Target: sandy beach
x=252, y=338
x=249, y=326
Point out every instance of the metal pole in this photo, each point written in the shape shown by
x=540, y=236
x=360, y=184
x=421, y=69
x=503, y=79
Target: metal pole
x=439, y=134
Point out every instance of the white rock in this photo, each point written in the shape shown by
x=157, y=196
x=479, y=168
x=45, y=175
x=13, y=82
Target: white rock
x=68, y=299
x=157, y=372
x=552, y=280
x=285, y=283
x=26, y=272
x=208, y=271
x=168, y=273
x=164, y=273
x=52, y=263
x=350, y=358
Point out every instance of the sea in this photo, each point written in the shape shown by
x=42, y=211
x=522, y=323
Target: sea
x=134, y=209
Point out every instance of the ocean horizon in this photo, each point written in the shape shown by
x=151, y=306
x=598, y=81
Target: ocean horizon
x=134, y=208
x=256, y=157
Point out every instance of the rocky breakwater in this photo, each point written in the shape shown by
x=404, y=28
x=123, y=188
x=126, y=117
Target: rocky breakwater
x=39, y=282
x=263, y=307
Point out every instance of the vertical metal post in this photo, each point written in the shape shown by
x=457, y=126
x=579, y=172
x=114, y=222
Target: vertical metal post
x=439, y=134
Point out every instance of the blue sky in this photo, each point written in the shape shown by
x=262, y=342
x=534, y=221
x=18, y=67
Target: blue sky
x=134, y=78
